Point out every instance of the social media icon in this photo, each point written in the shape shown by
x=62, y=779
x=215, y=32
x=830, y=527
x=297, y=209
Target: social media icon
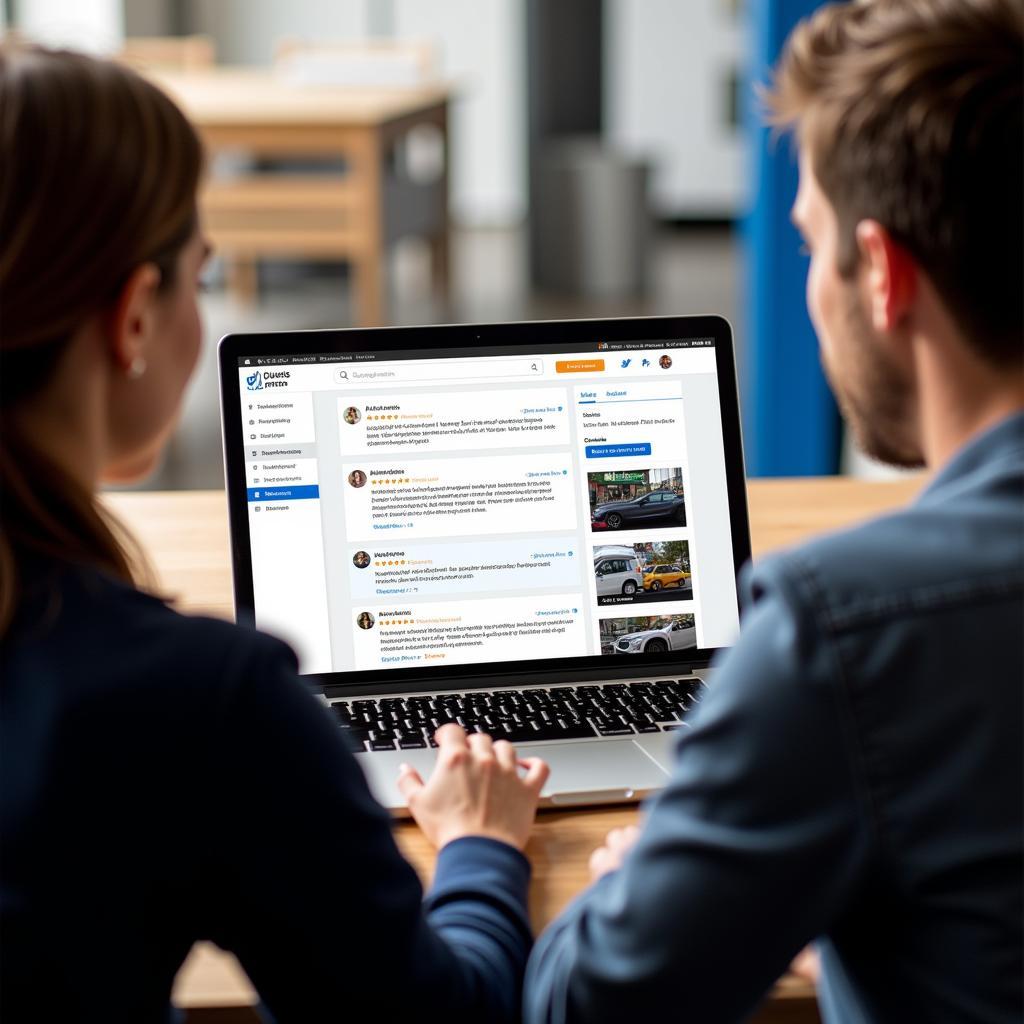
x=646, y=362
x=625, y=363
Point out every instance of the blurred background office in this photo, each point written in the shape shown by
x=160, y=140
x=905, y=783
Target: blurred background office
x=383, y=162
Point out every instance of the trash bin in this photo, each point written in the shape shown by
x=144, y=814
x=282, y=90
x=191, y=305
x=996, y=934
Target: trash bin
x=589, y=220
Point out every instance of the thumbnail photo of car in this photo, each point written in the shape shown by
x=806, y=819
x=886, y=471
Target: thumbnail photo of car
x=659, y=577
x=642, y=573
x=656, y=634
x=617, y=572
x=636, y=499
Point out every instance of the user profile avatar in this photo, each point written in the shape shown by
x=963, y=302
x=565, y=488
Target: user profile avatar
x=352, y=415
x=357, y=478
x=365, y=620
x=665, y=361
x=361, y=559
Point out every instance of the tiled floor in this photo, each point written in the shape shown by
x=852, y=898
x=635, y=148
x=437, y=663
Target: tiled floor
x=692, y=271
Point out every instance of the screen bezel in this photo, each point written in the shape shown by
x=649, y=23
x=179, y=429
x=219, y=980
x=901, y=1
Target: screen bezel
x=525, y=336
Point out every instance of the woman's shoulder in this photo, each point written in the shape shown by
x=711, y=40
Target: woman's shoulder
x=105, y=632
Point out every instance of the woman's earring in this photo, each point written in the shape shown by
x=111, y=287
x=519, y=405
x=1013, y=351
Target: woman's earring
x=137, y=368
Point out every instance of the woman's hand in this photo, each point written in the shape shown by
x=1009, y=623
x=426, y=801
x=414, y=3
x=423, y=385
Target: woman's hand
x=475, y=790
x=610, y=856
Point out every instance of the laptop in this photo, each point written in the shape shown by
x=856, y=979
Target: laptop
x=531, y=529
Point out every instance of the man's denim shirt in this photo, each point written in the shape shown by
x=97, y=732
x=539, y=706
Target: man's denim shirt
x=854, y=774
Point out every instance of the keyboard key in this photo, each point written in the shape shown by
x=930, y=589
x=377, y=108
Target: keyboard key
x=356, y=739
x=615, y=730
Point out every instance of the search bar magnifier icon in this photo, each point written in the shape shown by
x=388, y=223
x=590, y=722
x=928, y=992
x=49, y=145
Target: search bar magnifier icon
x=343, y=375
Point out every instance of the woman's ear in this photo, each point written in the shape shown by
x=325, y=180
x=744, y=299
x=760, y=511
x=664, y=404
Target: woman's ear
x=132, y=320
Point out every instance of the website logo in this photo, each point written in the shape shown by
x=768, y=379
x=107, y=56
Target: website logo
x=254, y=381
x=274, y=379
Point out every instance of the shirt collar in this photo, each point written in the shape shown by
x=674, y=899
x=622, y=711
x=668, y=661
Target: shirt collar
x=999, y=444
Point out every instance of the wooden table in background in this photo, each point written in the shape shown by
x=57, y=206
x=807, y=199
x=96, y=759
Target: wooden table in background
x=360, y=200
x=185, y=534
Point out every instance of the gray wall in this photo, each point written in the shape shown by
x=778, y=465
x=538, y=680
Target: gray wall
x=668, y=65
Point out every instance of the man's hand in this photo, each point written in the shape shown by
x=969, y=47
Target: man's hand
x=475, y=790
x=807, y=965
x=610, y=856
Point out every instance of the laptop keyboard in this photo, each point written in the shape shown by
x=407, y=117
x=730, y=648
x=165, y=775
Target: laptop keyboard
x=521, y=716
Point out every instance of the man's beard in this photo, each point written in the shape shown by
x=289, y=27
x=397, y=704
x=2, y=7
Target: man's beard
x=874, y=396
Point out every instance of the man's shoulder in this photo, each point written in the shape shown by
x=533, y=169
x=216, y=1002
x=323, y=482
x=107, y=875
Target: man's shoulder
x=926, y=554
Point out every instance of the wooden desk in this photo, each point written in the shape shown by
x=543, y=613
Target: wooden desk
x=353, y=213
x=186, y=536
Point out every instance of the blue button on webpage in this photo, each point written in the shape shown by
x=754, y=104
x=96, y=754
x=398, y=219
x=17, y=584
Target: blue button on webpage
x=617, y=451
x=284, y=493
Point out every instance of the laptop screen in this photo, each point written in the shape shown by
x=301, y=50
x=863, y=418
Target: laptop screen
x=503, y=504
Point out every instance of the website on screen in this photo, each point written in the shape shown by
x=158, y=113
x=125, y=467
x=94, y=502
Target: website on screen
x=411, y=512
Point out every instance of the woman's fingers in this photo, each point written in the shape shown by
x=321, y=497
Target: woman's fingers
x=505, y=755
x=450, y=736
x=409, y=781
x=482, y=745
x=537, y=772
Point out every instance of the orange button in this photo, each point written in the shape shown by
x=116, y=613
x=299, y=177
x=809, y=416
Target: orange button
x=578, y=365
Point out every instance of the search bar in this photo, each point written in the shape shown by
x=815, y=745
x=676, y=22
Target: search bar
x=396, y=373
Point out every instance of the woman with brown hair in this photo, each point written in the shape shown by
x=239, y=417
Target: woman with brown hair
x=167, y=779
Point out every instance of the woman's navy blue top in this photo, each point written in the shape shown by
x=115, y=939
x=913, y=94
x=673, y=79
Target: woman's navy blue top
x=167, y=779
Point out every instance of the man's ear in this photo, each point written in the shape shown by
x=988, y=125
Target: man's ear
x=889, y=274
x=132, y=317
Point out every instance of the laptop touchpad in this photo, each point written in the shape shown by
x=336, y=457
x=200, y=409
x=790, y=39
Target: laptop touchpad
x=611, y=770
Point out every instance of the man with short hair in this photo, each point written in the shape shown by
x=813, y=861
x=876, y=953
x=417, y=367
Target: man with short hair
x=854, y=774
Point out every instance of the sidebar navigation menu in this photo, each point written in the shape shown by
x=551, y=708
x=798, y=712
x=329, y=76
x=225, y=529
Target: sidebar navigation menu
x=285, y=528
